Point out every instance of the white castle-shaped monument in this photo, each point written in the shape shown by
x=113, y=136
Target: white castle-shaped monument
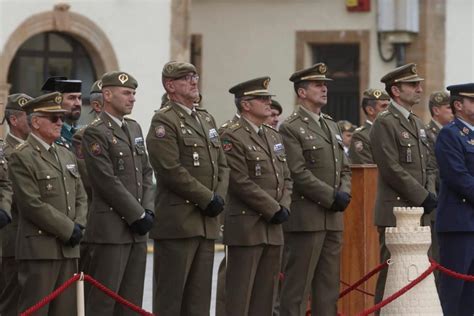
x=408, y=244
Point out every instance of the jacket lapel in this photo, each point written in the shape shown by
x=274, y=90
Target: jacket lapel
x=403, y=121
x=12, y=142
x=45, y=155
x=187, y=119
x=253, y=135
x=312, y=125
x=116, y=130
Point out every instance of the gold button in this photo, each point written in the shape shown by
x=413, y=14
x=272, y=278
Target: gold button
x=123, y=218
x=243, y=212
x=138, y=183
x=137, y=169
x=464, y=200
x=69, y=208
x=273, y=160
x=187, y=202
x=67, y=192
x=213, y=162
x=398, y=198
x=195, y=145
x=40, y=232
x=121, y=153
x=110, y=208
x=336, y=159
x=48, y=177
x=302, y=197
x=314, y=147
x=337, y=172
x=277, y=174
x=258, y=158
x=139, y=200
x=319, y=203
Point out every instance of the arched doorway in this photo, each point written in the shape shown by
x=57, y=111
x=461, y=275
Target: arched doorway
x=59, y=27
x=51, y=54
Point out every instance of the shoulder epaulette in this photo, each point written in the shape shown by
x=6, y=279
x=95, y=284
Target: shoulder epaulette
x=360, y=128
x=96, y=122
x=200, y=109
x=270, y=127
x=383, y=113
x=292, y=117
x=129, y=119
x=165, y=109
x=327, y=116
x=21, y=146
x=235, y=126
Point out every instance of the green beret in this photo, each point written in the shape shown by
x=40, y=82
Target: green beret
x=277, y=106
x=317, y=72
x=118, y=79
x=46, y=103
x=375, y=94
x=346, y=126
x=96, y=87
x=176, y=69
x=405, y=73
x=17, y=101
x=438, y=98
x=255, y=87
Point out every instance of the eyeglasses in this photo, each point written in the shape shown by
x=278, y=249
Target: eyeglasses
x=53, y=118
x=189, y=78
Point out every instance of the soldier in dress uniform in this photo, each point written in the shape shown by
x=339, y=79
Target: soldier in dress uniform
x=97, y=102
x=258, y=202
x=322, y=187
x=455, y=220
x=401, y=151
x=52, y=207
x=441, y=115
x=274, y=119
x=347, y=130
x=121, y=211
x=72, y=102
x=192, y=178
x=374, y=101
x=19, y=130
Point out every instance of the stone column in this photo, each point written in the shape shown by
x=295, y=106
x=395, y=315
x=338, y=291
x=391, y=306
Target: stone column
x=4, y=92
x=428, y=51
x=180, y=37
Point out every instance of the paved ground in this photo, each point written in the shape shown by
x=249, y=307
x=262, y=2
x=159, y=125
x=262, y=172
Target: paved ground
x=147, y=295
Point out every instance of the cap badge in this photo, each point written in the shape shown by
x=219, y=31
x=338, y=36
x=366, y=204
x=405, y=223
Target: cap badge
x=99, y=84
x=377, y=93
x=169, y=68
x=405, y=135
x=465, y=130
x=22, y=101
x=438, y=98
x=58, y=99
x=123, y=78
x=266, y=82
x=322, y=69
x=413, y=70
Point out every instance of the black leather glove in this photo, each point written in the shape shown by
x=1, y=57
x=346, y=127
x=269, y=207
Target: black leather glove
x=281, y=216
x=341, y=202
x=76, y=235
x=430, y=203
x=143, y=225
x=4, y=218
x=215, y=207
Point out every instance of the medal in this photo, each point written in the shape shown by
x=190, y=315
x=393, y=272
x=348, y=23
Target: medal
x=195, y=159
x=409, y=158
x=258, y=170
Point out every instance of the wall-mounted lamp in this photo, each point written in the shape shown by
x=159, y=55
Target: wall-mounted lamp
x=398, y=25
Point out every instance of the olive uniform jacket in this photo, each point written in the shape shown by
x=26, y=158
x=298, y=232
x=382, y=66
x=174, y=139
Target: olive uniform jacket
x=319, y=169
x=9, y=231
x=121, y=180
x=360, y=151
x=432, y=131
x=259, y=184
x=50, y=199
x=401, y=153
x=190, y=166
x=81, y=163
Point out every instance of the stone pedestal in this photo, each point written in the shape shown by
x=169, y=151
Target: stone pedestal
x=408, y=244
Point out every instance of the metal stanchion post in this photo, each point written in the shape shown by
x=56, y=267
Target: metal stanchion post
x=80, y=296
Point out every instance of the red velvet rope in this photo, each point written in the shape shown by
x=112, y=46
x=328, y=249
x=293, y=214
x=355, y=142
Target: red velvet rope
x=51, y=296
x=95, y=283
x=402, y=291
x=355, y=286
x=454, y=274
x=357, y=289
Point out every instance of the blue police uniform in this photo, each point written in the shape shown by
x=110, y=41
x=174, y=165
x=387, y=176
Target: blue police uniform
x=455, y=213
